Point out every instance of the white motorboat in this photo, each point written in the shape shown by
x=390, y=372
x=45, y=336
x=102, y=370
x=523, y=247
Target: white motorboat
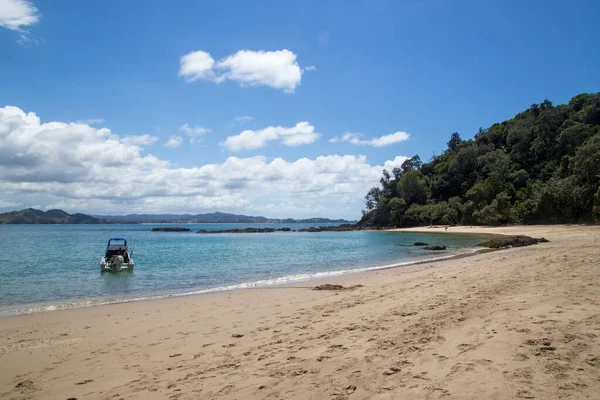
x=118, y=256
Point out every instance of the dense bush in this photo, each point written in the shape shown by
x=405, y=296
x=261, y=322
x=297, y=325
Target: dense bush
x=542, y=166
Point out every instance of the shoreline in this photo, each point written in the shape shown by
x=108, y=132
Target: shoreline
x=260, y=284
x=516, y=323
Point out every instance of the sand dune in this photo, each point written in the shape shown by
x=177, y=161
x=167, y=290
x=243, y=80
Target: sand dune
x=520, y=323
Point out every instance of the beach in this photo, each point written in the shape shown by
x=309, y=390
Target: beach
x=519, y=323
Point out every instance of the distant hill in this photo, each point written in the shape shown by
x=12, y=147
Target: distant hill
x=217, y=217
x=33, y=216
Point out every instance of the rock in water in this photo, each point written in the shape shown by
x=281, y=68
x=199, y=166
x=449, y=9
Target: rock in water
x=170, y=229
x=434, y=248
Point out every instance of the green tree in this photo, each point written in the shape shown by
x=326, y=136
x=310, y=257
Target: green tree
x=454, y=141
x=397, y=207
x=412, y=189
x=586, y=162
x=372, y=198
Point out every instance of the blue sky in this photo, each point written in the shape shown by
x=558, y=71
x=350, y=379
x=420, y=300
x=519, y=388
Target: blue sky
x=402, y=75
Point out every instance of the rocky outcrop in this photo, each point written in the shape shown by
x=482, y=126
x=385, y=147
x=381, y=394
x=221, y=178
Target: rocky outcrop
x=434, y=247
x=171, y=229
x=337, y=228
x=246, y=230
x=511, y=241
x=420, y=244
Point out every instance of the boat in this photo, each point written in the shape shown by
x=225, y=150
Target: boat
x=118, y=256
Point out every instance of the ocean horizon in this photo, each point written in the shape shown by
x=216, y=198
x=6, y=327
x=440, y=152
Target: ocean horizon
x=54, y=267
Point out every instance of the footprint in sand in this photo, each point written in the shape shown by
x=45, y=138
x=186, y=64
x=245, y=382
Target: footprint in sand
x=593, y=360
x=463, y=347
x=26, y=386
x=525, y=394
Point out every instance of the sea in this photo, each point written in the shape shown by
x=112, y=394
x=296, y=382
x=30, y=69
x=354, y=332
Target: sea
x=54, y=267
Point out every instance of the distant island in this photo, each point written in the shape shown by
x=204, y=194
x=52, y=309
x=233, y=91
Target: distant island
x=33, y=216
x=216, y=217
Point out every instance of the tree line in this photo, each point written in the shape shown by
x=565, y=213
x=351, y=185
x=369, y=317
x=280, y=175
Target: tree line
x=542, y=166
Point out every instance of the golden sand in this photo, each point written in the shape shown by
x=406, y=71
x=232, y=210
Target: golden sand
x=516, y=323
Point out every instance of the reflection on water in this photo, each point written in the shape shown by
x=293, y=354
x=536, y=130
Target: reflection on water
x=117, y=282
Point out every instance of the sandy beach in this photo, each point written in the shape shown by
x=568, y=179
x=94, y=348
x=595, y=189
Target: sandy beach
x=520, y=323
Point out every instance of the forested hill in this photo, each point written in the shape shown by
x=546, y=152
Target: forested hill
x=33, y=216
x=542, y=166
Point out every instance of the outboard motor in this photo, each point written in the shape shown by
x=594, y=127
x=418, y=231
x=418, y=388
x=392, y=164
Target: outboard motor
x=117, y=264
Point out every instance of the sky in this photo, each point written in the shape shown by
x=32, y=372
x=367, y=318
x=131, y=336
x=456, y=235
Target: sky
x=272, y=108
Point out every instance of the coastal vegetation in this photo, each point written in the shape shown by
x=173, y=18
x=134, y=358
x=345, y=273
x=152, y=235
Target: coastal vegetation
x=542, y=166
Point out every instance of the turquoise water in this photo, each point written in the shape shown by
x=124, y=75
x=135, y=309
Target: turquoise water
x=46, y=267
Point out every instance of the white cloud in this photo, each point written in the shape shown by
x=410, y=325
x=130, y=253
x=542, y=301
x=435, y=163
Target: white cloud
x=16, y=14
x=310, y=68
x=278, y=69
x=345, y=137
x=140, y=140
x=396, y=162
x=381, y=141
x=81, y=168
x=301, y=133
x=173, y=142
x=196, y=65
x=59, y=152
x=194, y=132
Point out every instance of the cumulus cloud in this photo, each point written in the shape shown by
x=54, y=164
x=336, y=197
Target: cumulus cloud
x=81, y=168
x=29, y=148
x=197, y=65
x=277, y=69
x=301, y=133
x=381, y=141
x=174, y=142
x=16, y=14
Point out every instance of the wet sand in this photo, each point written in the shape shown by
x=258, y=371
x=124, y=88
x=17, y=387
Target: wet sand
x=520, y=323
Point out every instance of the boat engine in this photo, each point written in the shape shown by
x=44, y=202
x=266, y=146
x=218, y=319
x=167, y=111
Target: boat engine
x=117, y=263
